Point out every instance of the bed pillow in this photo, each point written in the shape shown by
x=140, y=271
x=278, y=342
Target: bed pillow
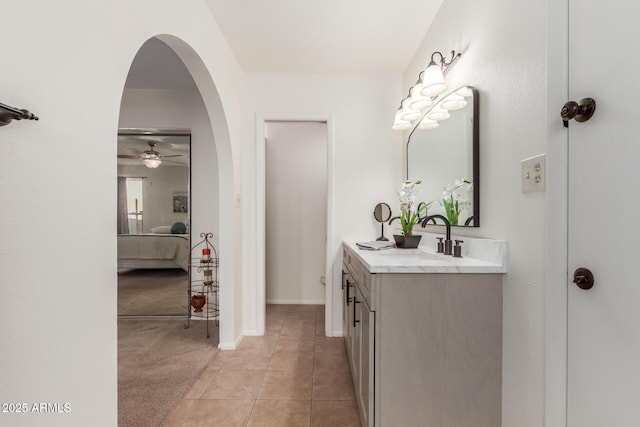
x=178, y=228
x=161, y=229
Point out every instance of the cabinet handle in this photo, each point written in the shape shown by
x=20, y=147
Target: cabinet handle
x=347, y=298
x=355, y=301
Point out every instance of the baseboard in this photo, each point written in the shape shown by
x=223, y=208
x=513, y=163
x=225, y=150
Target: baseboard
x=230, y=346
x=296, y=302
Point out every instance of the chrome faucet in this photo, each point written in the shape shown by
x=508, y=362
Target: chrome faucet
x=447, y=240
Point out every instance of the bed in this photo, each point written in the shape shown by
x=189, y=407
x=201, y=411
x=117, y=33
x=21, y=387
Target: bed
x=153, y=251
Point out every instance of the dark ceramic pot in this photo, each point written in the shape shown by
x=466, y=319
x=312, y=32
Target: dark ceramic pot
x=407, y=242
x=197, y=302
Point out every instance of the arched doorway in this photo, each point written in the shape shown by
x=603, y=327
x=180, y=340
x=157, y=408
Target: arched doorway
x=169, y=87
x=208, y=213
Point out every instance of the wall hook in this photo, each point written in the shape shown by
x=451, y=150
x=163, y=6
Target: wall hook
x=7, y=114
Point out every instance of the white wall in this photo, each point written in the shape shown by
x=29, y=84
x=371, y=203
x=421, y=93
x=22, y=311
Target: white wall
x=296, y=211
x=58, y=277
x=364, y=162
x=503, y=56
x=145, y=108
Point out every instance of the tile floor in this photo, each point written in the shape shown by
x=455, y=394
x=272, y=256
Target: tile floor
x=292, y=376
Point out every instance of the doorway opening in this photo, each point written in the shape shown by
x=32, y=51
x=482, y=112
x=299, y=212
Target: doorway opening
x=296, y=212
x=160, y=93
x=255, y=324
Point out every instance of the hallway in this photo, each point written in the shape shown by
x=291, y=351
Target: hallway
x=292, y=376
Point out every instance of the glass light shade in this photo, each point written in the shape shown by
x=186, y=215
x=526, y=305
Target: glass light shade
x=408, y=113
x=418, y=101
x=152, y=163
x=465, y=92
x=427, y=123
x=399, y=124
x=438, y=113
x=453, y=101
x=433, y=81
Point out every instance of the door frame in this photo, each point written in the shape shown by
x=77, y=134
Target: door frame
x=260, y=282
x=556, y=218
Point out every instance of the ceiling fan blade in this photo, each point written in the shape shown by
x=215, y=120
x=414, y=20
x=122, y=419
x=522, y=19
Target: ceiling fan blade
x=127, y=156
x=174, y=162
x=171, y=155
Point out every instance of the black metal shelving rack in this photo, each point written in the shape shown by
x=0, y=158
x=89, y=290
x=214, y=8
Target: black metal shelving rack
x=203, y=282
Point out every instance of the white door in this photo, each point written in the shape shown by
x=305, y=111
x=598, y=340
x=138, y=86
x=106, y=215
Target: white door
x=604, y=216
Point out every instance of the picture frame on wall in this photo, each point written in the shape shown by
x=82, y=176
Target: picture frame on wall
x=180, y=201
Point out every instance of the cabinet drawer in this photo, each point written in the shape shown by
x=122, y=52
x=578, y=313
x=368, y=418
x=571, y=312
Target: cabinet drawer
x=358, y=272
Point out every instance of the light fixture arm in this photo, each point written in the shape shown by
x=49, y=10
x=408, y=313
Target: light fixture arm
x=443, y=60
x=7, y=114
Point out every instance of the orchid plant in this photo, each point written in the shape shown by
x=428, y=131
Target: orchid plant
x=455, y=199
x=408, y=216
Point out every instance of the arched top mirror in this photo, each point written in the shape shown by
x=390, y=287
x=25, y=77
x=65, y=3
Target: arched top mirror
x=442, y=152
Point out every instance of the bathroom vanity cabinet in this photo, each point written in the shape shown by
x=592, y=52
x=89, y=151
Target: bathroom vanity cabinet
x=424, y=339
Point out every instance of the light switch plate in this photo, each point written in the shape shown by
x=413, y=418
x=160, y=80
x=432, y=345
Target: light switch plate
x=533, y=174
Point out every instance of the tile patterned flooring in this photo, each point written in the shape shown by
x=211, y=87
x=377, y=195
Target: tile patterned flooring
x=293, y=376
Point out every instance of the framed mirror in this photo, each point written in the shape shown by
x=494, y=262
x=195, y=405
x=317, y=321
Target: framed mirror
x=443, y=152
x=153, y=217
x=382, y=214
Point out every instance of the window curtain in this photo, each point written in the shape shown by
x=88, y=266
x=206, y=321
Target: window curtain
x=123, y=217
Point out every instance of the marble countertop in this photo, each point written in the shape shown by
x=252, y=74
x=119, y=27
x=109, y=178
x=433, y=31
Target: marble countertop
x=478, y=256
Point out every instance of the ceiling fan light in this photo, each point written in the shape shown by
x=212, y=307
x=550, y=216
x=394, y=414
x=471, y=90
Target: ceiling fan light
x=152, y=163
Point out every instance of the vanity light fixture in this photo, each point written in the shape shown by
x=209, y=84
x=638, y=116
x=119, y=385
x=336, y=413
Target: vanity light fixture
x=427, y=123
x=422, y=95
x=408, y=113
x=417, y=100
x=465, y=92
x=453, y=102
x=433, y=80
x=399, y=124
x=438, y=113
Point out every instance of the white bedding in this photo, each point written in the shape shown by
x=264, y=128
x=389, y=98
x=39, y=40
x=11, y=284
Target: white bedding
x=153, y=251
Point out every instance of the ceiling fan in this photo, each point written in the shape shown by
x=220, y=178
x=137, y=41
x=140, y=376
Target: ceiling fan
x=151, y=158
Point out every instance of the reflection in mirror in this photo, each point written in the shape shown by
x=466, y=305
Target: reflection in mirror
x=442, y=151
x=382, y=213
x=153, y=221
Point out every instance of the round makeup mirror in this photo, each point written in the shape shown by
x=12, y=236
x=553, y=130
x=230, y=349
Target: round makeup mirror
x=382, y=213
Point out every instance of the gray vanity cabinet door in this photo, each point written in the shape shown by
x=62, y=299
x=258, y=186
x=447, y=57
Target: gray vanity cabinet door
x=439, y=350
x=348, y=288
x=365, y=332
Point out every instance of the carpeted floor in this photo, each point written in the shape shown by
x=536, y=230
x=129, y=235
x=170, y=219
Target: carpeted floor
x=161, y=292
x=158, y=362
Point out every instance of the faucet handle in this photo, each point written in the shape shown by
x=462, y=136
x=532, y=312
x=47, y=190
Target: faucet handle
x=457, y=249
x=440, y=245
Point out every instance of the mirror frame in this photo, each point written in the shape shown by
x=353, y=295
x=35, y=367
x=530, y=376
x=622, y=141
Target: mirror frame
x=179, y=132
x=475, y=150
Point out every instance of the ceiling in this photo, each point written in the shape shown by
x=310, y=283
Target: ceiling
x=299, y=36
x=330, y=36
